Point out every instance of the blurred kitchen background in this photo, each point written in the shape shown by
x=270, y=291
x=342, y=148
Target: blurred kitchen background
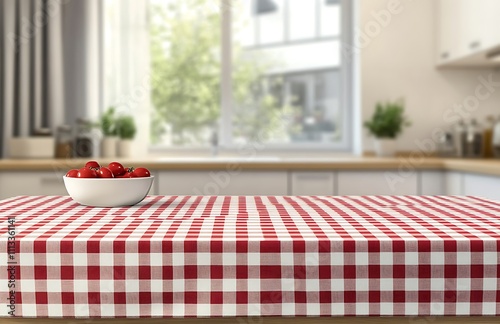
x=198, y=81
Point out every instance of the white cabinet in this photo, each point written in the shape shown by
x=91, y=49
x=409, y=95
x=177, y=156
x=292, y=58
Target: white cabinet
x=454, y=183
x=38, y=183
x=482, y=186
x=480, y=25
x=467, y=32
x=389, y=182
x=432, y=183
x=312, y=183
x=31, y=183
x=223, y=182
x=489, y=24
x=449, y=29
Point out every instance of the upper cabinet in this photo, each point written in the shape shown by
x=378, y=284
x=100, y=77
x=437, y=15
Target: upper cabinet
x=468, y=33
x=448, y=23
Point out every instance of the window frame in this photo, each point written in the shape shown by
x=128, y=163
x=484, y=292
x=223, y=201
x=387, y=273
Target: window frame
x=347, y=100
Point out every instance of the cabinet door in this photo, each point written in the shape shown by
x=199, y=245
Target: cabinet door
x=450, y=28
x=487, y=23
x=482, y=186
x=467, y=31
x=31, y=184
x=312, y=183
x=223, y=183
x=432, y=183
x=472, y=33
x=480, y=25
x=454, y=183
x=377, y=183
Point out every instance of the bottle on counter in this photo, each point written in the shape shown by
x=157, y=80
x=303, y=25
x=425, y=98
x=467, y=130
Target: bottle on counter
x=496, y=139
x=461, y=139
x=64, y=142
x=488, y=137
x=474, y=141
x=87, y=141
x=446, y=145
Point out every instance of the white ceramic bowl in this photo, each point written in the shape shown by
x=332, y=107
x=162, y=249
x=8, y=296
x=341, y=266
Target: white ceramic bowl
x=108, y=192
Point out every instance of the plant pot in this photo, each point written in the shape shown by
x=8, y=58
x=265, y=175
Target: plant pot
x=125, y=148
x=385, y=147
x=109, y=146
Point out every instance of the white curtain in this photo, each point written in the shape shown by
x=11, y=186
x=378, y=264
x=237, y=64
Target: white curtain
x=50, y=64
x=65, y=59
x=31, y=78
x=126, y=64
x=83, y=24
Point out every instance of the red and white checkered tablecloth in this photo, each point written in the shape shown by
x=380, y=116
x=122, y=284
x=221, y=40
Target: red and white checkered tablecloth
x=185, y=256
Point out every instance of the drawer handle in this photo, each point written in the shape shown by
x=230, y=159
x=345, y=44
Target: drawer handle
x=474, y=45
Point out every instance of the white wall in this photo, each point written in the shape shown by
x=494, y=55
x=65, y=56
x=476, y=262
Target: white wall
x=398, y=60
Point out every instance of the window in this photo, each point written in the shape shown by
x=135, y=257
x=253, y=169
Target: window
x=250, y=70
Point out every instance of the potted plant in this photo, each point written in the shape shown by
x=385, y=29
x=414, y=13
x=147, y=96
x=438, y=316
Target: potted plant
x=109, y=144
x=126, y=129
x=386, y=124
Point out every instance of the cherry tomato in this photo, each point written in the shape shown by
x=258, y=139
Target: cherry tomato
x=86, y=173
x=92, y=165
x=141, y=173
x=116, y=168
x=129, y=173
x=104, y=172
x=72, y=173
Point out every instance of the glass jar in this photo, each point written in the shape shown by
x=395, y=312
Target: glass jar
x=474, y=145
x=496, y=139
x=460, y=139
x=64, y=142
x=446, y=145
x=488, y=137
x=84, y=146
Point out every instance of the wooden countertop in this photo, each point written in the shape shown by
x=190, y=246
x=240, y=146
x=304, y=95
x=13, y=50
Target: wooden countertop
x=489, y=167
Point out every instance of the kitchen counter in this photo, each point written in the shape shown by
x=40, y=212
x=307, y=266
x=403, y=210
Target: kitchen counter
x=489, y=167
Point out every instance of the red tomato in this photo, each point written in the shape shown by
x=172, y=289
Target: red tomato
x=104, y=172
x=126, y=175
x=72, y=173
x=116, y=168
x=92, y=165
x=86, y=173
x=141, y=173
x=129, y=173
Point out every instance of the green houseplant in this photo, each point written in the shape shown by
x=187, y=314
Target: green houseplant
x=126, y=130
x=107, y=123
x=386, y=124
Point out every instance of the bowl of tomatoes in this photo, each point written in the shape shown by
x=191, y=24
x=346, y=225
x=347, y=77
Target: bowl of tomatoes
x=112, y=185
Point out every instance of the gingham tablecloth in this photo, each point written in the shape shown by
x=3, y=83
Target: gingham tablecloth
x=184, y=256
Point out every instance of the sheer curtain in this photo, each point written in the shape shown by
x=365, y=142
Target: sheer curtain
x=126, y=64
x=82, y=24
x=61, y=60
x=31, y=68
